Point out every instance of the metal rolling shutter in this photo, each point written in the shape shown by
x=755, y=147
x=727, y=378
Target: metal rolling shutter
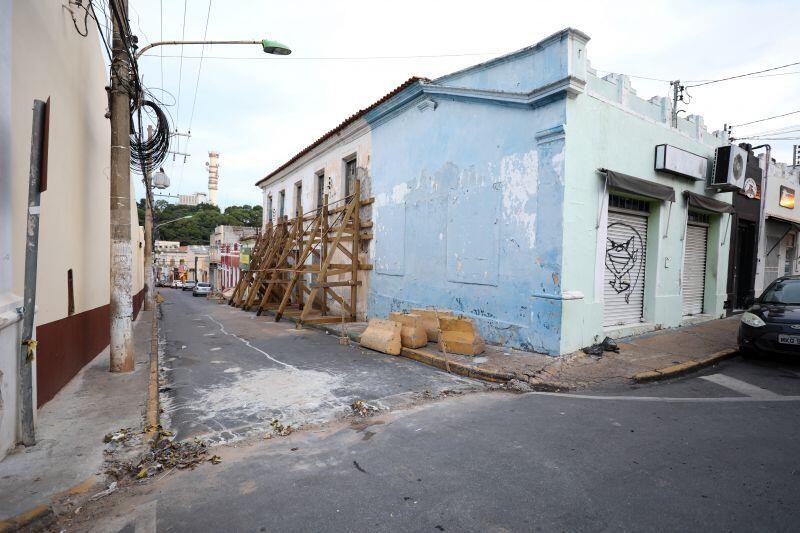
x=694, y=269
x=626, y=241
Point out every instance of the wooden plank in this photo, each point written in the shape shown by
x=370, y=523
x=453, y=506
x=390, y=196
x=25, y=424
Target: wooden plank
x=347, y=283
x=323, y=320
x=324, y=267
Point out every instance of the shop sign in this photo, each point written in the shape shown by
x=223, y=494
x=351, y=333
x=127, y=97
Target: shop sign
x=787, y=197
x=680, y=162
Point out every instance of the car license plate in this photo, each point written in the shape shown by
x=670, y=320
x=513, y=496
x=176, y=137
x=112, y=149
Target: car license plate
x=789, y=339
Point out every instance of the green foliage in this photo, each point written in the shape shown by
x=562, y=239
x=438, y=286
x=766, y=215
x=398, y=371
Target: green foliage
x=206, y=217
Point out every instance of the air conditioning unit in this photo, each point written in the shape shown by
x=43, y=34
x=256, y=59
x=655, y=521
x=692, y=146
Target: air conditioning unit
x=730, y=164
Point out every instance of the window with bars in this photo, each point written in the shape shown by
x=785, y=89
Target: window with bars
x=632, y=204
x=281, y=204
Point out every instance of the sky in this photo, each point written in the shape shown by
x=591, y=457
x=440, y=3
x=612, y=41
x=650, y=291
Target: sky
x=258, y=110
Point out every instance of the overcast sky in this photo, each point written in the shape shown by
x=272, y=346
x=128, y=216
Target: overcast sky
x=259, y=110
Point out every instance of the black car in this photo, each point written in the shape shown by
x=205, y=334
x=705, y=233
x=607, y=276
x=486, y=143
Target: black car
x=772, y=324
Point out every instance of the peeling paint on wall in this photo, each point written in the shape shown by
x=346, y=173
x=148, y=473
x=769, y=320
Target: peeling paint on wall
x=520, y=179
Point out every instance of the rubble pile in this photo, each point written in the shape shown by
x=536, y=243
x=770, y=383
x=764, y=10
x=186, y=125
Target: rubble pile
x=165, y=454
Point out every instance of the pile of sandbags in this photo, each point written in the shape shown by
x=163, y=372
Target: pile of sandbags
x=454, y=334
x=382, y=336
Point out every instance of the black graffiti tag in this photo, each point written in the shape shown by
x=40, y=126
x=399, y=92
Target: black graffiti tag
x=624, y=259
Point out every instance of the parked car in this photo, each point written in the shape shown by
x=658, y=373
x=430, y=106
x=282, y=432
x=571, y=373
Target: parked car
x=177, y=284
x=201, y=289
x=188, y=285
x=772, y=323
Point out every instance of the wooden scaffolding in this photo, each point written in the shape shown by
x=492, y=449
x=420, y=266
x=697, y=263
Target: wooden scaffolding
x=293, y=262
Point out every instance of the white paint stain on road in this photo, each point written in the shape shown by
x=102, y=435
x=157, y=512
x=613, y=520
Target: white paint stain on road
x=246, y=342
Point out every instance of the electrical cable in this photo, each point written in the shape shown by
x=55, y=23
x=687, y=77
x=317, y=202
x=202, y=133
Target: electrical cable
x=199, y=69
x=180, y=70
x=744, y=75
x=764, y=119
x=148, y=154
x=85, y=31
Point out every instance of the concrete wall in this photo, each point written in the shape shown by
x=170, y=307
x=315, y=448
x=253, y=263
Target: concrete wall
x=41, y=56
x=609, y=126
x=468, y=175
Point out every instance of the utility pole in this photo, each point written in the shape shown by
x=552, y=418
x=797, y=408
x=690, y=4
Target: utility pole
x=27, y=349
x=121, y=345
x=149, y=288
x=676, y=86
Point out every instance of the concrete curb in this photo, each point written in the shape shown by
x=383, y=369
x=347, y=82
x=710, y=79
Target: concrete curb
x=40, y=515
x=420, y=356
x=44, y=514
x=683, y=368
x=536, y=384
x=152, y=414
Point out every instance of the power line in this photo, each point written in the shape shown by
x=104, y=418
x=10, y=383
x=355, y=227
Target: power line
x=199, y=69
x=161, y=38
x=342, y=58
x=743, y=75
x=765, y=119
x=180, y=70
x=194, y=99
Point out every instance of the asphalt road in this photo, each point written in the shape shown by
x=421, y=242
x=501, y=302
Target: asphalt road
x=716, y=451
x=226, y=374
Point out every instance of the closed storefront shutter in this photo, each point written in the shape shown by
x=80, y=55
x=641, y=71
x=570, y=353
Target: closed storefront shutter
x=693, y=282
x=626, y=243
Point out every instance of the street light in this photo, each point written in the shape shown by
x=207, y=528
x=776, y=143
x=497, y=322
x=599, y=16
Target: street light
x=269, y=47
x=171, y=221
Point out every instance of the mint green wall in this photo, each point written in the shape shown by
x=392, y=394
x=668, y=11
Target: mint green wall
x=608, y=126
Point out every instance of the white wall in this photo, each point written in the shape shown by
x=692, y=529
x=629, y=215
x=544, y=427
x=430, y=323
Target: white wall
x=41, y=56
x=50, y=59
x=330, y=156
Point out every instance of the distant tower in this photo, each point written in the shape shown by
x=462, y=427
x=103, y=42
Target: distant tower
x=213, y=176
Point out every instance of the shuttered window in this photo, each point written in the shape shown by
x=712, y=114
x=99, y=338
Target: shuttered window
x=625, y=256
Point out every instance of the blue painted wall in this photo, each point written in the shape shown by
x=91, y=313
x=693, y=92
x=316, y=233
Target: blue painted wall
x=468, y=209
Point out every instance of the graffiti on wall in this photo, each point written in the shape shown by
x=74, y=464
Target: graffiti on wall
x=624, y=258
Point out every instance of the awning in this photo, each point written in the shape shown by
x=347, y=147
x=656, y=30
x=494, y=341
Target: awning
x=705, y=203
x=629, y=184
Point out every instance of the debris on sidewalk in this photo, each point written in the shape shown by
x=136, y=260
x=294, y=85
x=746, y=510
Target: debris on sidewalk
x=608, y=345
x=164, y=454
x=112, y=487
x=363, y=409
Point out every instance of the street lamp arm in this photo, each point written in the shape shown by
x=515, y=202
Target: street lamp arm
x=161, y=43
x=171, y=221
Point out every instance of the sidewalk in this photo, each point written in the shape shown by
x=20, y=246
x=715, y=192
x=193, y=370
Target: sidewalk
x=68, y=455
x=647, y=357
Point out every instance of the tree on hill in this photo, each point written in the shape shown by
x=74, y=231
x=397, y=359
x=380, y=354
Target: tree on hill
x=205, y=217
